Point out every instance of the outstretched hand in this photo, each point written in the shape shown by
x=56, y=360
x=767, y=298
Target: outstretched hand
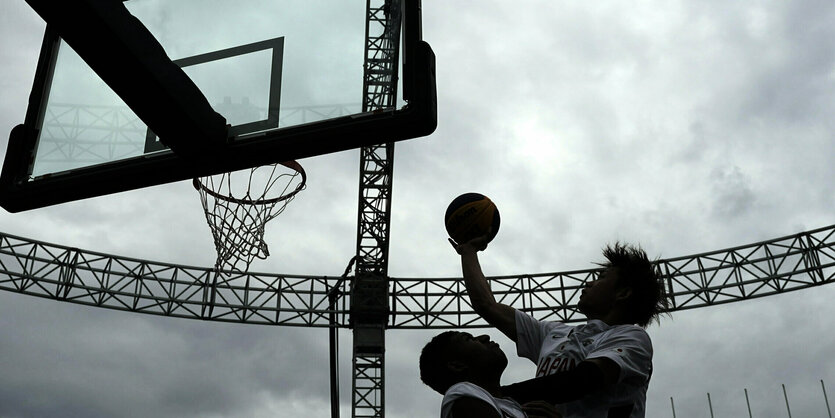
x=474, y=245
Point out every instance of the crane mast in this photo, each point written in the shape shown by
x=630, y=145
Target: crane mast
x=369, y=291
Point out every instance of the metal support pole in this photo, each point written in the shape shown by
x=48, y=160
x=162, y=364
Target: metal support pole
x=334, y=352
x=673, y=406
x=826, y=399
x=748, y=403
x=710, y=405
x=786, y=396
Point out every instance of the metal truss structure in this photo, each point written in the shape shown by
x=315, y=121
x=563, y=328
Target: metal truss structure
x=90, y=134
x=369, y=301
x=75, y=133
x=68, y=274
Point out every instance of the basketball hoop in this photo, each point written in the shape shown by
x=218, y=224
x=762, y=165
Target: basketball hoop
x=238, y=207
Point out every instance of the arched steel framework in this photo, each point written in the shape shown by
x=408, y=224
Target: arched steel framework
x=68, y=274
x=75, y=133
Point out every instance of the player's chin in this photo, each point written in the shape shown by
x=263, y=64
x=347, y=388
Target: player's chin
x=583, y=307
x=501, y=359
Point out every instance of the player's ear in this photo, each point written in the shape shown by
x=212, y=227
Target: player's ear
x=623, y=293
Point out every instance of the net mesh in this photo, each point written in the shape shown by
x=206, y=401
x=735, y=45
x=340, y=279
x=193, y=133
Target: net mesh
x=239, y=204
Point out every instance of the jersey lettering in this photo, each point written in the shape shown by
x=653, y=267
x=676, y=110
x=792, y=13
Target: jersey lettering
x=543, y=366
x=551, y=365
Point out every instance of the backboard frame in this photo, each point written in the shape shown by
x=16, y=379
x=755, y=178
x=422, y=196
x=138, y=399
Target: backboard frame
x=276, y=46
x=20, y=192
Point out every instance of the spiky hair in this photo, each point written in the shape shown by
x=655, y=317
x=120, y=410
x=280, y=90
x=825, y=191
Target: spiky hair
x=634, y=270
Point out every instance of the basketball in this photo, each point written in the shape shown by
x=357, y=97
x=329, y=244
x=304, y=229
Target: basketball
x=471, y=215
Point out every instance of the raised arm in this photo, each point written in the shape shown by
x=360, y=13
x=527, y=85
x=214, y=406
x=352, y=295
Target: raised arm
x=501, y=316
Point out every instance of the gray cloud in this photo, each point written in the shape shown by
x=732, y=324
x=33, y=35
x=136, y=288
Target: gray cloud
x=732, y=193
x=685, y=128
x=115, y=364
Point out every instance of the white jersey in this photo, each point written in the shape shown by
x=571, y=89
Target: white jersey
x=505, y=407
x=556, y=347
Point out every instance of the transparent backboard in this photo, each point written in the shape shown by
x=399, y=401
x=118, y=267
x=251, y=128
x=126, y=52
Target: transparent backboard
x=299, y=69
x=318, y=47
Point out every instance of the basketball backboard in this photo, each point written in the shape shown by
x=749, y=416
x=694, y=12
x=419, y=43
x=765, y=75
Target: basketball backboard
x=230, y=85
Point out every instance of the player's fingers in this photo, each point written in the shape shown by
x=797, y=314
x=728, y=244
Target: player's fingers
x=477, y=244
x=480, y=243
x=454, y=245
x=484, y=239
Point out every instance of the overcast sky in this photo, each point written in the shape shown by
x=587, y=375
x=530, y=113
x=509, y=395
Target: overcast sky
x=682, y=126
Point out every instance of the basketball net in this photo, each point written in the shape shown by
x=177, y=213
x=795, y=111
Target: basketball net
x=238, y=206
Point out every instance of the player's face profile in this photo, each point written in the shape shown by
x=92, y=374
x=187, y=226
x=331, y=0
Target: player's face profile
x=598, y=296
x=479, y=351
